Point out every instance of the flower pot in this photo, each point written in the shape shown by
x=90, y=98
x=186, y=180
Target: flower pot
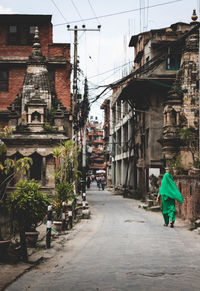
x=31, y=238
x=57, y=225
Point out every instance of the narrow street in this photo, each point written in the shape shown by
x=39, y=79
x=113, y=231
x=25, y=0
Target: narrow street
x=122, y=247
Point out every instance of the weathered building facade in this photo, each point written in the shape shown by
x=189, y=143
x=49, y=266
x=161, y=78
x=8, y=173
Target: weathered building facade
x=17, y=34
x=95, y=142
x=37, y=115
x=147, y=104
x=107, y=143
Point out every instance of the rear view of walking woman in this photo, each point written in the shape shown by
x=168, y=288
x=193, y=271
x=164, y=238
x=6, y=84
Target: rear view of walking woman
x=169, y=193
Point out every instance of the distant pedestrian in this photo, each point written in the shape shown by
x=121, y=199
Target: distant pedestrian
x=88, y=181
x=169, y=193
x=98, y=182
x=103, y=182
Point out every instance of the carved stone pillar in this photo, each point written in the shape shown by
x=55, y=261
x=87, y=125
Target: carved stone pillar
x=43, y=171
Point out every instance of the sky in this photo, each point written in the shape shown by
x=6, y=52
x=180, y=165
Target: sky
x=104, y=56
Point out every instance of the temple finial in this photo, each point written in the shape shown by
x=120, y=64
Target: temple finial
x=36, y=51
x=194, y=17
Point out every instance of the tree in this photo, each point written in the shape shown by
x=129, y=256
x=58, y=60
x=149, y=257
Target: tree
x=9, y=168
x=66, y=156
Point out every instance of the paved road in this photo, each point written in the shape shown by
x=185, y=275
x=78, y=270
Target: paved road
x=122, y=247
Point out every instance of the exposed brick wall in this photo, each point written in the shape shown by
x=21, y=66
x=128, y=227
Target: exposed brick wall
x=189, y=186
x=16, y=77
x=21, y=54
x=59, y=50
x=62, y=83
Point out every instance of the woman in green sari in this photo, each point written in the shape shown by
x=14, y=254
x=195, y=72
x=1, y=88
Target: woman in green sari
x=169, y=193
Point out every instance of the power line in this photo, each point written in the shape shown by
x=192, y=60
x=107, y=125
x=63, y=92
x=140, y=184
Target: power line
x=76, y=11
x=119, y=13
x=110, y=70
x=59, y=11
x=93, y=12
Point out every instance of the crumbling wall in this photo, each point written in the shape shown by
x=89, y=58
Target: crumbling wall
x=189, y=186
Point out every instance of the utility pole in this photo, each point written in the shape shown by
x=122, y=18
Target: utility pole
x=75, y=87
x=74, y=96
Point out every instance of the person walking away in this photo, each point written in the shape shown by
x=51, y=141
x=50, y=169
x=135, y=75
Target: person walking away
x=88, y=182
x=103, y=183
x=169, y=193
x=98, y=182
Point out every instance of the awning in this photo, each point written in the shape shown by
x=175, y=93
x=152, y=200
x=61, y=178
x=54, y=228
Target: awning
x=26, y=152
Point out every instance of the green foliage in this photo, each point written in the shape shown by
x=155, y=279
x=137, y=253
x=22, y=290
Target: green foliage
x=22, y=128
x=175, y=164
x=22, y=165
x=27, y=204
x=64, y=193
x=48, y=127
x=196, y=164
x=66, y=156
x=66, y=173
x=190, y=138
x=2, y=149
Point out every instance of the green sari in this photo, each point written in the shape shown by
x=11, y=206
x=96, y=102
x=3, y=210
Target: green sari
x=169, y=193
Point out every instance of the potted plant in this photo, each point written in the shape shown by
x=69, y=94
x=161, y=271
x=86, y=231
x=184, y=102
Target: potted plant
x=64, y=193
x=28, y=207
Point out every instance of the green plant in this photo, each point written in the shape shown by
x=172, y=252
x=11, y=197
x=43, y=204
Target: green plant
x=196, y=164
x=175, y=165
x=48, y=127
x=190, y=137
x=64, y=193
x=66, y=156
x=28, y=206
x=10, y=167
x=22, y=128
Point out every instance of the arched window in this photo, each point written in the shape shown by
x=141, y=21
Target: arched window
x=36, y=168
x=35, y=117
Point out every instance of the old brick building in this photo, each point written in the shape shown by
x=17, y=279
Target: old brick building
x=95, y=141
x=153, y=102
x=35, y=96
x=17, y=32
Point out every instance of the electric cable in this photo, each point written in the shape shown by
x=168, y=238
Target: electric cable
x=94, y=12
x=59, y=11
x=118, y=13
x=76, y=11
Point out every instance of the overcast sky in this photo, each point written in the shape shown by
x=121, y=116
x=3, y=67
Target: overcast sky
x=108, y=49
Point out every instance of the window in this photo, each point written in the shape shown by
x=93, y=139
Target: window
x=173, y=60
x=12, y=34
x=21, y=34
x=3, y=80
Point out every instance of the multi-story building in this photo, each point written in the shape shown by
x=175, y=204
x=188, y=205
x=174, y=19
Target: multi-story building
x=107, y=140
x=17, y=35
x=34, y=92
x=139, y=100
x=95, y=142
